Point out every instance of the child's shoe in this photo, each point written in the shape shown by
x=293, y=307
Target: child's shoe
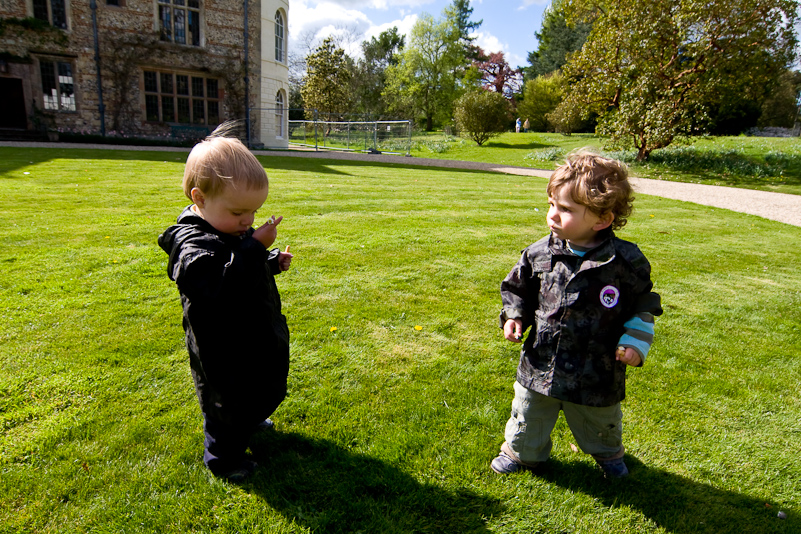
x=614, y=468
x=267, y=424
x=242, y=473
x=506, y=465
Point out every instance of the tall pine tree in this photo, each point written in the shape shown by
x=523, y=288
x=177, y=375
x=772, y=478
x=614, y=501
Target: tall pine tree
x=557, y=40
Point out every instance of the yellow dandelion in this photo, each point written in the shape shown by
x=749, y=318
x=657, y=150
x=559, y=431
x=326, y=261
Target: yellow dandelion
x=333, y=329
x=418, y=327
x=652, y=215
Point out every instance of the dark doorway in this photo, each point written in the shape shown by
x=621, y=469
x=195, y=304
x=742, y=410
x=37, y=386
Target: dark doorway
x=13, y=98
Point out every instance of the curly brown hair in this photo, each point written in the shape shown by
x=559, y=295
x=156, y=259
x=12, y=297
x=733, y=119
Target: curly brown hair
x=601, y=184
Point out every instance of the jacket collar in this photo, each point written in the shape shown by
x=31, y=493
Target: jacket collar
x=190, y=218
x=602, y=253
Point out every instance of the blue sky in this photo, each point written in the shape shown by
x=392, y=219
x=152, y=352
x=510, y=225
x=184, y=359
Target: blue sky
x=508, y=25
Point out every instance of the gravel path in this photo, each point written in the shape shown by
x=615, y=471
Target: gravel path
x=775, y=206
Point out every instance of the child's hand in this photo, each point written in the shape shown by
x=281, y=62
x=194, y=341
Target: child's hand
x=628, y=356
x=513, y=330
x=267, y=232
x=285, y=259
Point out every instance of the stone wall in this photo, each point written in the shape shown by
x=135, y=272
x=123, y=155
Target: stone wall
x=129, y=43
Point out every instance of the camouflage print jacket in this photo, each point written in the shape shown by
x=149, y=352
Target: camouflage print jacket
x=577, y=307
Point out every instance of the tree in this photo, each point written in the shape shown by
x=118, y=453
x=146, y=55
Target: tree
x=424, y=82
x=327, y=81
x=497, y=75
x=434, y=69
x=378, y=54
x=296, y=61
x=651, y=69
x=541, y=96
x=383, y=51
x=459, y=14
x=557, y=40
x=780, y=109
x=481, y=114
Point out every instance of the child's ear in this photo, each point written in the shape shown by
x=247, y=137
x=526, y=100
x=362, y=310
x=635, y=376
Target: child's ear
x=604, y=221
x=197, y=197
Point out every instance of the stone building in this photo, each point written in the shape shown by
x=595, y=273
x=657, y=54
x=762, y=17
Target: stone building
x=167, y=68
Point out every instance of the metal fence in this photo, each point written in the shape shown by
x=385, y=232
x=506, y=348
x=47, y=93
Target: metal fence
x=389, y=137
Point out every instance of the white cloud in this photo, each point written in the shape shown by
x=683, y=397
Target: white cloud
x=490, y=43
x=354, y=21
x=302, y=17
x=528, y=3
x=319, y=20
x=372, y=4
x=322, y=20
x=404, y=26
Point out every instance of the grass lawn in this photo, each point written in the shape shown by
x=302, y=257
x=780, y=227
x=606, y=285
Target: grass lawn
x=770, y=164
x=400, y=381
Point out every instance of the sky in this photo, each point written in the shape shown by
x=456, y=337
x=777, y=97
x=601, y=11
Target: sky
x=508, y=25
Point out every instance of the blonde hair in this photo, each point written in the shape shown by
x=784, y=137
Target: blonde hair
x=221, y=161
x=601, y=184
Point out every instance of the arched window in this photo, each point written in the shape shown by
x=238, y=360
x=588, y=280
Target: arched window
x=279, y=114
x=279, y=37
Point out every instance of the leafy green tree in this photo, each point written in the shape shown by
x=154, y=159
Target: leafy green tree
x=425, y=82
x=296, y=104
x=370, y=78
x=541, y=96
x=781, y=107
x=557, y=40
x=650, y=69
x=326, y=86
x=481, y=114
x=734, y=110
x=383, y=51
x=435, y=66
x=459, y=13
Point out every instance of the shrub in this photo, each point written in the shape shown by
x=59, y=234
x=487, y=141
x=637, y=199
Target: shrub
x=546, y=154
x=540, y=98
x=481, y=115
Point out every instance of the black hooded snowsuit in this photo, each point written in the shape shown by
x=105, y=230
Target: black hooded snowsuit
x=237, y=338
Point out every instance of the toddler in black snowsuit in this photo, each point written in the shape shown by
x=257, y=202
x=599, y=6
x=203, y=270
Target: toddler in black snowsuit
x=236, y=335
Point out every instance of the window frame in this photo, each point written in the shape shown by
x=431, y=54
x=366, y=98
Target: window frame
x=190, y=24
x=49, y=6
x=280, y=37
x=58, y=102
x=178, y=97
x=279, y=114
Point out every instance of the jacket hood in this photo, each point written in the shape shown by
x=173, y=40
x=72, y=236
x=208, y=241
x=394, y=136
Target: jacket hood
x=189, y=225
x=175, y=234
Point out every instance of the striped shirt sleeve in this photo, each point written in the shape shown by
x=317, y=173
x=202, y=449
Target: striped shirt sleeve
x=639, y=333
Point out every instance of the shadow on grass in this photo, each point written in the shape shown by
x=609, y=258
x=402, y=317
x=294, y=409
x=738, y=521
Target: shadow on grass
x=327, y=488
x=521, y=146
x=14, y=158
x=675, y=503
